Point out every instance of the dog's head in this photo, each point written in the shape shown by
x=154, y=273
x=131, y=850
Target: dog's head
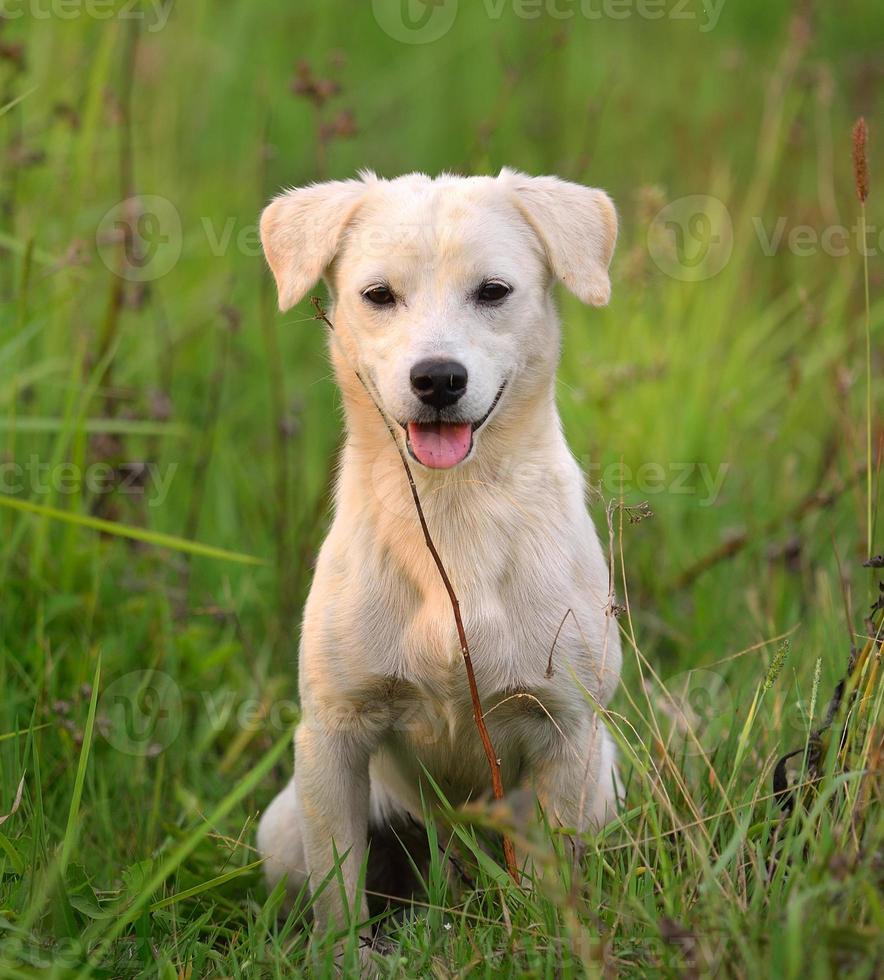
x=441, y=288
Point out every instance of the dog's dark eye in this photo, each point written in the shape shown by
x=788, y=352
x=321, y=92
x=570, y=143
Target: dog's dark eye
x=492, y=291
x=379, y=295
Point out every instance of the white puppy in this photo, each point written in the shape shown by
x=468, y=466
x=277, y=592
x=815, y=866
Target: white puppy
x=442, y=302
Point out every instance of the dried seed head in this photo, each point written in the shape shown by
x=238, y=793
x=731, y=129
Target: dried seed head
x=860, y=159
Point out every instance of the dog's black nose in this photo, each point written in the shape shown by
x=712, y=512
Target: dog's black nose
x=438, y=382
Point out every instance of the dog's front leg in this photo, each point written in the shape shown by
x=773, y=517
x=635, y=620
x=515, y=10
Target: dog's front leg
x=577, y=783
x=331, y=773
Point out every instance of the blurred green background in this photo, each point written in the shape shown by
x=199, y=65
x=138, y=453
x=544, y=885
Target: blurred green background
x=146, y=379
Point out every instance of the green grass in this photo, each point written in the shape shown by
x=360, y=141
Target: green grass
x=148, y=669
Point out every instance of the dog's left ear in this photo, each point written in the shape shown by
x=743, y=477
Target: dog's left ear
x=577, y=226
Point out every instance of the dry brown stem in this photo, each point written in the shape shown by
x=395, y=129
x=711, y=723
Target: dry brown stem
x=478, y=714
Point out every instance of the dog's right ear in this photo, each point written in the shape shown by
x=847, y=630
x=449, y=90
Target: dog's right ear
x=301, y=230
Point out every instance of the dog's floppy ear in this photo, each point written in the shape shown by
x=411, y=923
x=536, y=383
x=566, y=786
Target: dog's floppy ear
x=301, y=230
x=577, y=226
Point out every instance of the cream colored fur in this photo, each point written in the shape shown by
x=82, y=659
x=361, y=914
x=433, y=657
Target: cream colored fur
x=382, y=683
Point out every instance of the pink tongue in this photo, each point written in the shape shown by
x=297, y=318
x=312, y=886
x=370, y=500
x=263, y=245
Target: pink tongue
x=440, y=444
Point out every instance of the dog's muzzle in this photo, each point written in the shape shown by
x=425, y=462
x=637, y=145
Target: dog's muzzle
x=441, y=444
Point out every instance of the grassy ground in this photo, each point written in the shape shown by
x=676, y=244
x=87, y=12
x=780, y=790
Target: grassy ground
x=146, y=380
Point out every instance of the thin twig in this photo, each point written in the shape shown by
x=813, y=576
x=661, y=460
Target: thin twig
x=861, y=179
x=552, y=650
x=493, y=761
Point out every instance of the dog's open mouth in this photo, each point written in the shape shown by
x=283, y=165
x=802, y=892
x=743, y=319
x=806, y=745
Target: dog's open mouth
x=440, y=445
